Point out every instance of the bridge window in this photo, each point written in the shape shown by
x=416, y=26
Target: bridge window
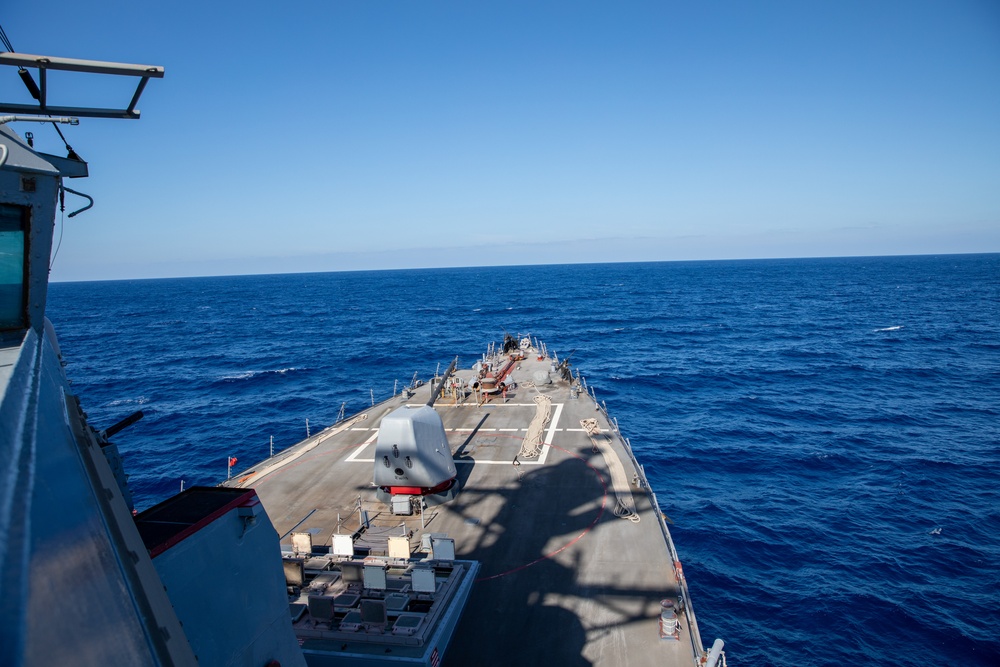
x=13, y=267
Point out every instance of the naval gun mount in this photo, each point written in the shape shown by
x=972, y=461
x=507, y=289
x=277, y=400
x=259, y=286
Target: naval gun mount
x=413, y=461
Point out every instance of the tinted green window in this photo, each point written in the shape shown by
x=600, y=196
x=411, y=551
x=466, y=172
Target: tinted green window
x=13, y=229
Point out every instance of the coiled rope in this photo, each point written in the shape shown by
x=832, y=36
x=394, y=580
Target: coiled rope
x=624, y=506
x=531, y=446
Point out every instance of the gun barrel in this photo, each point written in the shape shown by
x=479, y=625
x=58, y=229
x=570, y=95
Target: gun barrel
x=123, y=424
x=435, y=391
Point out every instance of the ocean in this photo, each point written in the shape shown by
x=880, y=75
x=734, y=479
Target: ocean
x=823, y=433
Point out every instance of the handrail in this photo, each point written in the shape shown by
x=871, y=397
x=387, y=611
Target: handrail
x=79, y=194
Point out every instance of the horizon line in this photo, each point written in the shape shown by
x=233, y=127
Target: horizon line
x=509, y=266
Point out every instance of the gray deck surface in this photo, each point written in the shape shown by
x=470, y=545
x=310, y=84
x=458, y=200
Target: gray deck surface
x=563, y=581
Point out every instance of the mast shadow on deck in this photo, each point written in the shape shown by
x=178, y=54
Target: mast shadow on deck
x=513, y=615
x=465, y=458
x=562, y=586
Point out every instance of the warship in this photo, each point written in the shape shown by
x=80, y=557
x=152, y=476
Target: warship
x=491, y=515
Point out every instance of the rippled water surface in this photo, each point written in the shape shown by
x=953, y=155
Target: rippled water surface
x=825, y=433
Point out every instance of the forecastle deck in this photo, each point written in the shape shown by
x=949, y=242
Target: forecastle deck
x=574, y=558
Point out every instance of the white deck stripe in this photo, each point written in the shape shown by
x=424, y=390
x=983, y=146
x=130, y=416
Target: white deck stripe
x=549, y=435
x=353, y=457
x=491, y=430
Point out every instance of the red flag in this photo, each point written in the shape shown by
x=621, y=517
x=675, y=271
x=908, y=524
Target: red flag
x=232, y=461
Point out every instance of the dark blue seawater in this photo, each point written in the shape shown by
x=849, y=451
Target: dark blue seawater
x=825, y=433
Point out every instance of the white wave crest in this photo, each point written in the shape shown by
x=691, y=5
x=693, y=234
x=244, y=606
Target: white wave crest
x=142, y=400
x=246, y=375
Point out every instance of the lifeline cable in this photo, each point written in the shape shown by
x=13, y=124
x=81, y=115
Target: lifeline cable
x=6, y=42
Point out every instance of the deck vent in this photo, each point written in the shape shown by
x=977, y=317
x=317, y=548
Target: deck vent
x=373, y=614
x=375, y=577
x=399, y=547
x=423, y=580
x=407, y=624
x=302, y=543
x=343, y=545
x=443, y=548
x=352, y=573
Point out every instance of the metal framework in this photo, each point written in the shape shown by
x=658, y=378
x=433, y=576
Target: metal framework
x=45, y=63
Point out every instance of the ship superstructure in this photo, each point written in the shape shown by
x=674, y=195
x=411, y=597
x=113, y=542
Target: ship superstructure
x=81, y=582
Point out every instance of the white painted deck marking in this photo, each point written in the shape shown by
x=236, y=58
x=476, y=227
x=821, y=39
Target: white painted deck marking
x=353, y=457
x=473, y=405
x=549, y=435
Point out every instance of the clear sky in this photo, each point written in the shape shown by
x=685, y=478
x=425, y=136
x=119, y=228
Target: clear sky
x=324, y=136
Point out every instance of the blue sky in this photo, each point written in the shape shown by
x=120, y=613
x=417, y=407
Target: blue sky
x=353, y=135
